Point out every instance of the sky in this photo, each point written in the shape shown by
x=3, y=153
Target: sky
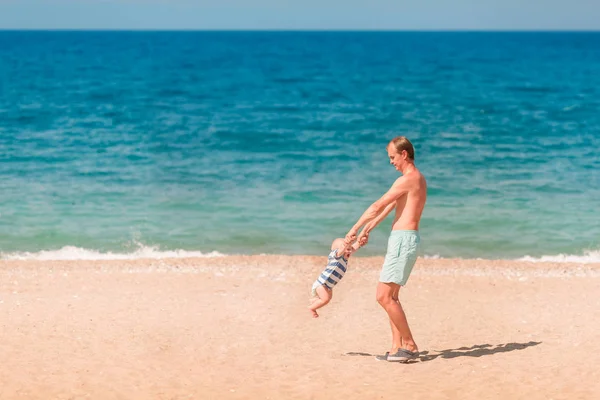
x=301, y=14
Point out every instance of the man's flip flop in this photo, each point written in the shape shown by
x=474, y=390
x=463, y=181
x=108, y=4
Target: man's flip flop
x=403, y=355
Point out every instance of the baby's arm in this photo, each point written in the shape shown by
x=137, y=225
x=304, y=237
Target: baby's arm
x=353, y=246
x=342, y=249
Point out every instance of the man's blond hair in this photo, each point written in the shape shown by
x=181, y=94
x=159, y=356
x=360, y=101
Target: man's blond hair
x=401, y=143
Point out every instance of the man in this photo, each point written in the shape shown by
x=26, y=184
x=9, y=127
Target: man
x=407, y=195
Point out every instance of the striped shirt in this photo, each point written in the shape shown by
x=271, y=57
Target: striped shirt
x=334, y=272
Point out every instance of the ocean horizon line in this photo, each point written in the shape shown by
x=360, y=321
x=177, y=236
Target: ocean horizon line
x=302, y=30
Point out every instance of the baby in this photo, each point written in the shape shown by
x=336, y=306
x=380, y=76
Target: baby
x=336, y=268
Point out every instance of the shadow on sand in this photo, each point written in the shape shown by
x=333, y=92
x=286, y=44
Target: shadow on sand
x=479, y=350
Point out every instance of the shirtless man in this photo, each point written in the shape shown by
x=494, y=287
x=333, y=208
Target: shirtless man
x=407, y=195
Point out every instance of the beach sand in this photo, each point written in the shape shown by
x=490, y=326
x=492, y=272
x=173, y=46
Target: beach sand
x=238, y=327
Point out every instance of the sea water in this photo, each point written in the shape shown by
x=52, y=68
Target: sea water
x=149, y=144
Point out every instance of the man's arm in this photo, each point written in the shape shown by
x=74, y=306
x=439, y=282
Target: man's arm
x=363, y=238
x=398, y=189
x=386, y=211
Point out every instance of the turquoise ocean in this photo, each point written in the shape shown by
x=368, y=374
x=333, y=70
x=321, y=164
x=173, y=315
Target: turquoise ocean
x=151, y=144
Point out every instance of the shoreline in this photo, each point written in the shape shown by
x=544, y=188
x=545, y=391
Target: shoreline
x=143, y=252
x=302, y=263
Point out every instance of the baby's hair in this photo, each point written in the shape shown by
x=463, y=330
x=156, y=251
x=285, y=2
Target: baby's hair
x=338, y=243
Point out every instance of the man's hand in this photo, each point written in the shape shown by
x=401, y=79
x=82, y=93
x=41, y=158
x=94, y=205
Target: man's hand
x=363, y=238
x=350, y=237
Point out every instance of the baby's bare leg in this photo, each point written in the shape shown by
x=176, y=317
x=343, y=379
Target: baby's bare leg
x=325, y=296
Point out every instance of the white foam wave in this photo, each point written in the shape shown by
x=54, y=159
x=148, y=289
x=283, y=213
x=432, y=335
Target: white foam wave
x=153, y=252
x=588, y=257
x=78, y=253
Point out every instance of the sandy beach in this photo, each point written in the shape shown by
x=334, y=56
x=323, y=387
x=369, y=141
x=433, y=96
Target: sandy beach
x=237, y=327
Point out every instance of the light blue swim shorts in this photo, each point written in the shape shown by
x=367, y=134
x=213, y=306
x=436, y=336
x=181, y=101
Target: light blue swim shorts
x=400, y=257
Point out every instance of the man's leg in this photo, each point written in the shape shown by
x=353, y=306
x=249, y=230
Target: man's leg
x=396, y=337
x=385, y=297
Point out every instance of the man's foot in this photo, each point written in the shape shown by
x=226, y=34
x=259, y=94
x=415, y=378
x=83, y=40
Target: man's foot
x=403, y=355
x=313, y=313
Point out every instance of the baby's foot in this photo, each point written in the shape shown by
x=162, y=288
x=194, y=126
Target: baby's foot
x=314, y=313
